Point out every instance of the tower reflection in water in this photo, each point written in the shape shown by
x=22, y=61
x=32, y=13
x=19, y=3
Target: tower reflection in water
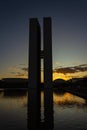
x=34, y=110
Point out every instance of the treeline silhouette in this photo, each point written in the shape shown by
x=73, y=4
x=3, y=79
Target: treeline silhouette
x=77, y=86
x=77, y=83
x=15, y=83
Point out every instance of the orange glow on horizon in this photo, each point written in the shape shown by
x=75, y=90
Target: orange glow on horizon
x=54, y=76
x=60, y=76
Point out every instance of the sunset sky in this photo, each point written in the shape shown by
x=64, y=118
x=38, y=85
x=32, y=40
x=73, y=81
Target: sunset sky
x=69, y=36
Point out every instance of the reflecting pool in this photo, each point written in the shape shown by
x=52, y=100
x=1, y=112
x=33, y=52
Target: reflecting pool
x=69, y=111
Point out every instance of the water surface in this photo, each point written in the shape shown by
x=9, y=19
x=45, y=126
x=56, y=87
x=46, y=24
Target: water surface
x=69, y=111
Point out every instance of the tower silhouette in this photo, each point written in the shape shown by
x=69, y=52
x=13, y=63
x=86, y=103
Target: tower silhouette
x=34, y=74
x=35, y=53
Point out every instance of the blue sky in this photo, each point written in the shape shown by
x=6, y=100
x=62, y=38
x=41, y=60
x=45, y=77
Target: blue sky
x=69, y=33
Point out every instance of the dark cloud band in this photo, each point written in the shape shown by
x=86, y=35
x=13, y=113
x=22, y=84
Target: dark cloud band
x=65, y=70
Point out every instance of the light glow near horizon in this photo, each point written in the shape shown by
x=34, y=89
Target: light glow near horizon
x=55, y=75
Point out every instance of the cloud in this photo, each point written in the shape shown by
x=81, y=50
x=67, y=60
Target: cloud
x=19, y=70
x=25, y=69
x=22, y=64
x=16, y=67
x=66, y=70
x=20, y=74
x=13, y=67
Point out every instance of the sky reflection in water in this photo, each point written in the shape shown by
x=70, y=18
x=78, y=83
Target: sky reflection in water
x=69, y=110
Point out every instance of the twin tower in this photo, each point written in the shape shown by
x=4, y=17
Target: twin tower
x=36, y=54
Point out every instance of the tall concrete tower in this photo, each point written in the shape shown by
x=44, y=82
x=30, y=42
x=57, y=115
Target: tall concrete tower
x=34, y=74
x=47, y=41
x=35, y=53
